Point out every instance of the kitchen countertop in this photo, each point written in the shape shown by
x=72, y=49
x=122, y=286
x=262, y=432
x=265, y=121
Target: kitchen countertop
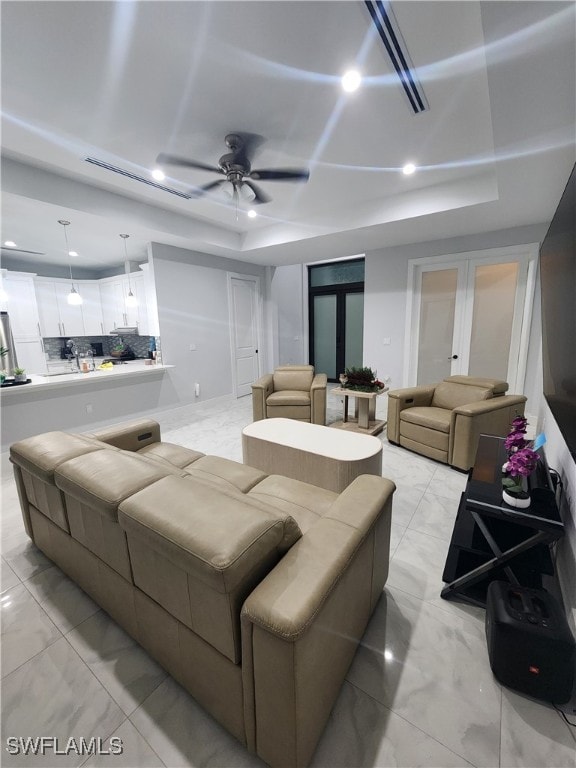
x=103, y=376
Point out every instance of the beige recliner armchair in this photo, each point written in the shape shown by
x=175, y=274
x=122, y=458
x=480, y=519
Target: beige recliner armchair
x=444, y=421
x=291, y=392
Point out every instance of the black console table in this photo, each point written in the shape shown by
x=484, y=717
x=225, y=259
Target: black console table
x=492, y=540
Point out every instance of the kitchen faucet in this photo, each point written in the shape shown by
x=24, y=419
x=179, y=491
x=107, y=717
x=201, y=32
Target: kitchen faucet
x=72, y=352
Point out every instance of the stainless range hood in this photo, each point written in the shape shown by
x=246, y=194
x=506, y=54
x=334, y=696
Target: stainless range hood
x=130, y=330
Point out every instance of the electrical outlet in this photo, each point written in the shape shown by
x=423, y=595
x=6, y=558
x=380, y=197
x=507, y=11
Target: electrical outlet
x=192, y=347
x=89, y=408
x=197, y=389
x=386, y=340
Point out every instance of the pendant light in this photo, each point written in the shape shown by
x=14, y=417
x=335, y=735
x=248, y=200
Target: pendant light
x=131, y=300
x=73, y=297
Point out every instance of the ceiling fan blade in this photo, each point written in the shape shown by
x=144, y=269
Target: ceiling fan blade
x=281, y=174
x=164, y=159
x=261, y=196
x=199, y=191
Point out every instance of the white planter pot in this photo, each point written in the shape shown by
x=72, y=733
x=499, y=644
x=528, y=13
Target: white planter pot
x=518, y=501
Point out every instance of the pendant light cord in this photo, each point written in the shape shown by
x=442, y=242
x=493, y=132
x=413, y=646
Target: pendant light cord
x=64, y=225
x=125, y=237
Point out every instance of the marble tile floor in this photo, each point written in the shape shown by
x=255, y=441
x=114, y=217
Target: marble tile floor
x=418, y=693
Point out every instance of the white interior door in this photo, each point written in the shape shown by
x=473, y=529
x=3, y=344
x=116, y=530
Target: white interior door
x=244, y=328
x=471, y=315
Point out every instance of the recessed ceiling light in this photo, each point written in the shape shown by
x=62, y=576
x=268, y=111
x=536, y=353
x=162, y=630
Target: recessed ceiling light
x=252, y=214
x=351, y=80
x=408, y=169
x=158, y=174
x=72, y=253
x=10, y=243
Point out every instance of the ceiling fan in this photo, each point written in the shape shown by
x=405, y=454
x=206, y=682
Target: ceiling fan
x=236, y=167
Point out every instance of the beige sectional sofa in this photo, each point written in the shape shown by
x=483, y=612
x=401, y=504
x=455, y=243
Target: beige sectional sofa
x=252, y=590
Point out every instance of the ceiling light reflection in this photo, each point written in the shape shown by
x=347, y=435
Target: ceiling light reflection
x=388, y=655
x=408, y=169
x=351, y=80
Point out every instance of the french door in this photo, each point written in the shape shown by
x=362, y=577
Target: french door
x=470, y=314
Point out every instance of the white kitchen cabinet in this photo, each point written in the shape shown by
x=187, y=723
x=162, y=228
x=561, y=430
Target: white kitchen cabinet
x=113, y=294
x=30, y=354
x=21, y=304
x=57, y=317
x=70, y=314
x=48, y=308
x=22, y=308
x=113, y=309
x=91, y=308
x=136, y=315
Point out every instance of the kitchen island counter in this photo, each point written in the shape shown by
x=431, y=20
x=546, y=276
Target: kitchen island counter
x=102, y=376
x=84, y=401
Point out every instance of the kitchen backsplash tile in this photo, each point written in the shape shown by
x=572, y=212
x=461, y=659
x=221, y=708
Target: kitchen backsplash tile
x=138, y=344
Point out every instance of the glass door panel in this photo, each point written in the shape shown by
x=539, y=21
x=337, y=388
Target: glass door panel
x=354, y=330
x=492, y=318
x=436, y=327
x=325, y=335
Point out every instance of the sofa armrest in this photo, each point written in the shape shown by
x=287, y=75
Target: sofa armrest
x=399, y=399
x=493, y=404
x=302, y=624
x=318, y=399
x=489, y=417
x=130, y=435
x=261, y=389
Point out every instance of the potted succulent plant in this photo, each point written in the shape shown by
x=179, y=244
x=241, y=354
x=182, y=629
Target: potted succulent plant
x=19, y=375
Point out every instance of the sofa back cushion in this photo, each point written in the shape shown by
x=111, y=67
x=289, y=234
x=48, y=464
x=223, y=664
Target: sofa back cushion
x=38, y=458
x=450, y=395
x=200, y=552
x=294, y=377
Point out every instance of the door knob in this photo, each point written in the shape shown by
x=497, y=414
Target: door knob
x=454, y=357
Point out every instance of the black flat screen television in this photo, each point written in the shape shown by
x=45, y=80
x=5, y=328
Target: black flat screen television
x=558, y=288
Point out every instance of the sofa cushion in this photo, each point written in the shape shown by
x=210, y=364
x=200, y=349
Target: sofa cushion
x=449, y=394
x=301, y=501
x=213, y=536
x=433, y=418
x=294, y=377
x=204, y=558
x=176, y=455
x=497, y=386
x=103, y=479
x=288, y=397
x=225, y=473
x=40, y=455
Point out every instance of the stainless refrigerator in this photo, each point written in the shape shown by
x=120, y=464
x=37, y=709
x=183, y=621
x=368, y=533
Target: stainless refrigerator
x=9, y=361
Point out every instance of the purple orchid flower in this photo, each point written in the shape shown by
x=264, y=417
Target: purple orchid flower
x=522, y=463
x=515, y=441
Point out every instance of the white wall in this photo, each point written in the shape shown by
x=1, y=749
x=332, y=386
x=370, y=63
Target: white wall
x=287, y=291
x=192, y=298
